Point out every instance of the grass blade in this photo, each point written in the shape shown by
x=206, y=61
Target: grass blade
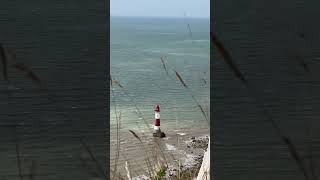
x=32, y=170
x=128, y=171
x=143, y=118
x=117, y=134
x=110, y=79
x=302, y=35
x=19, y=66
x=189, y=28
x=203, y=112
x=204, y=81
x=4, y=61
x=310, y=151
x=180, y=79
x=19, y=161
x=98, y=166
x=30, y=74
x=296, y=156
x=190, y=32
x=185, y=86
x=117, y=83
x=303, y=64
x=148, y=162
x=292, y=149
x=135, y=135
x=227, y=57
x=164, y=65
x=132, y=101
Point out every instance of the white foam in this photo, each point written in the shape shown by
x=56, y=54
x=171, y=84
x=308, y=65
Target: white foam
x=170, y=147
x=182, y=134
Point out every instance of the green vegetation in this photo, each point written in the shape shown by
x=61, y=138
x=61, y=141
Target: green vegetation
x=161, y=174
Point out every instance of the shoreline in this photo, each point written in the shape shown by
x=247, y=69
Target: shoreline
x=195, y=150
x=191, y=150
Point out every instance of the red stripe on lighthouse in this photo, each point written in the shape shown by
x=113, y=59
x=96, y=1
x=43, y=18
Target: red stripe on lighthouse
x=157, y=109
x=157, y=123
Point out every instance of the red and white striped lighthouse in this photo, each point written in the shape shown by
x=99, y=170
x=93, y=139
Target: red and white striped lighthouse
x=157, y=118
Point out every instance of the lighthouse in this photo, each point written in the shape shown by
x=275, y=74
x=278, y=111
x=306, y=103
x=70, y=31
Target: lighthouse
x=156, y=128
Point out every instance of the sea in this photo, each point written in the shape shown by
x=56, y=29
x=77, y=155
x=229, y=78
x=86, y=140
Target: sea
x=275, y=44
x=146, y=53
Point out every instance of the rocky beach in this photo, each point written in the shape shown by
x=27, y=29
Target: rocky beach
x=188, y=154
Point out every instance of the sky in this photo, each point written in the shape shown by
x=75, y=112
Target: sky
x=160, y=8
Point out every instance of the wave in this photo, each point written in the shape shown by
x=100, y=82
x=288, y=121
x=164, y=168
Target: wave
x=190, y=41
x=188, y=54
x=170, y=147
x=182, y=134
x=168, y=33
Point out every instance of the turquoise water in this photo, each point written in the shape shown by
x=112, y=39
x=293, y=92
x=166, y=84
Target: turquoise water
x=136, y=47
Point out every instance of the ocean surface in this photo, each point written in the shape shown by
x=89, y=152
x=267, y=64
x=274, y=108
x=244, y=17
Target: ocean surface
x=64, y=43
x=266, y=39
x=136, y=46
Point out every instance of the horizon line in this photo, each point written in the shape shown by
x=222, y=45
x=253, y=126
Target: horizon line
x=182, y=17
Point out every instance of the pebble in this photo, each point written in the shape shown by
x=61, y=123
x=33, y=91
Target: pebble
x=195, y=145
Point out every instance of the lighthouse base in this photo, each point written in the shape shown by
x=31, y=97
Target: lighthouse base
x=159, y=134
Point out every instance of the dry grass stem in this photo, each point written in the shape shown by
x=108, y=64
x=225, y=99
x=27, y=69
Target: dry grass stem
x=19, y=161
x=19, y=66
x=4, y=62
x=180, y=79
x=98, y=166
x=227, y=58
x=32, y=170
x=164, y=65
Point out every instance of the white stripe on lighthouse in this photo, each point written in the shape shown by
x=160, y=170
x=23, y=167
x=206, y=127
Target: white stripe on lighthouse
x=157, y=115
